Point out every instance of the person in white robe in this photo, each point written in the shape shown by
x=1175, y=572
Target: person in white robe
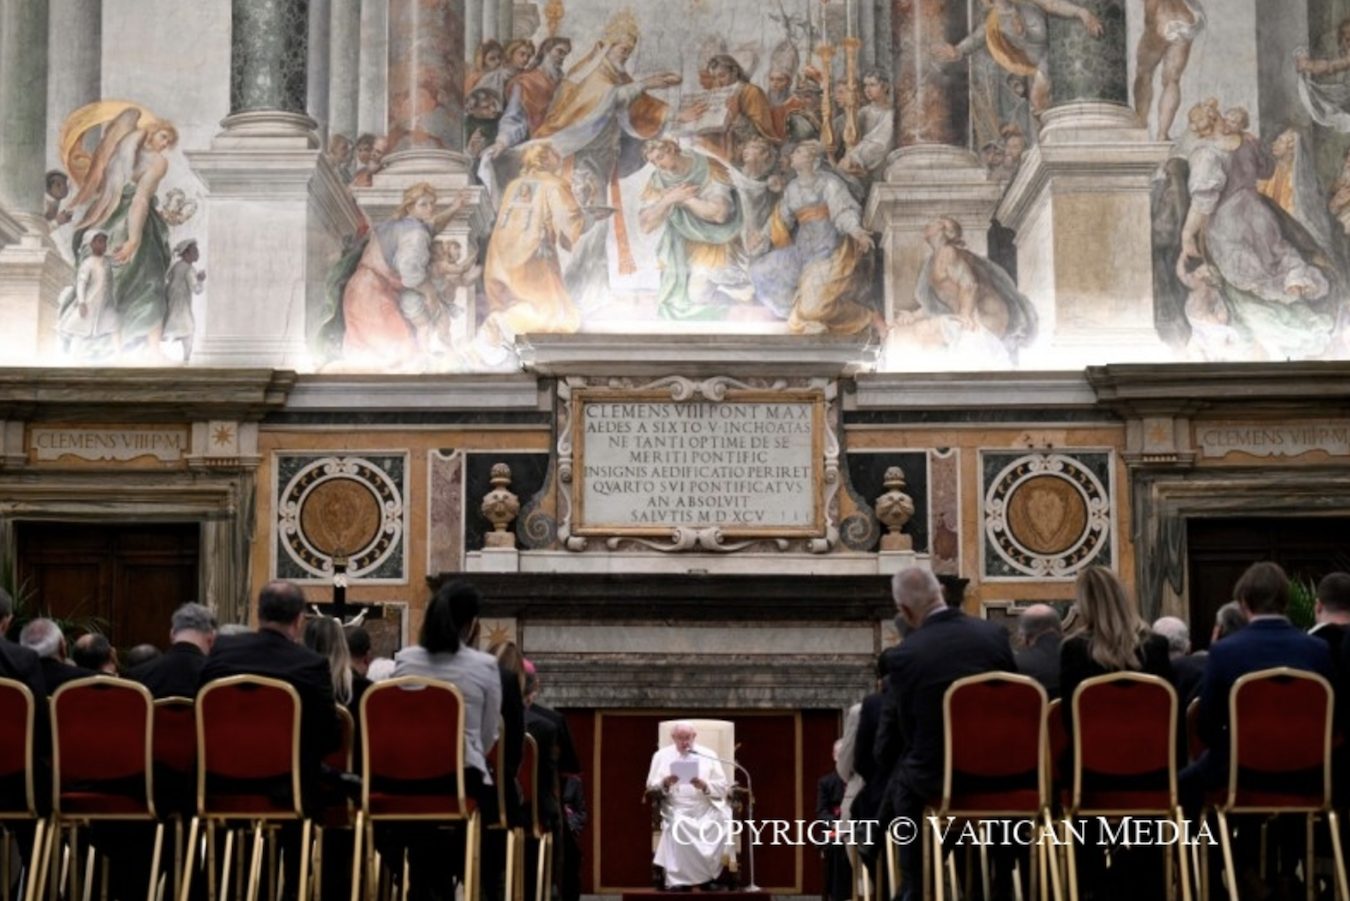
x=695, y=816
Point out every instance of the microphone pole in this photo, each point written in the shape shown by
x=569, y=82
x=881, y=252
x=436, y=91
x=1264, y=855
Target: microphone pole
x=750, y=790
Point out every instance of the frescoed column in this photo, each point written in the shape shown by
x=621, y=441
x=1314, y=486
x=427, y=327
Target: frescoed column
x=32, y=273
x=372, y=109
x=274, y=201
x=75, y=63
x=344, y=68
x=473, y=28
x=318, y=67
x=932, y=173
x=1092, y=170
x=426, y=80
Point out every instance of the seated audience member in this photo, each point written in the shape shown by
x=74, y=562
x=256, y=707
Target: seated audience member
x=1187, y=668
x=944, y=645
x=16, y=661
x=953, y=590
x=178, y=671
x=1227, y=619
x=22, y=665
x=1267, y=640
x=141, y=655
x=443, y=653
x=838, y=876
x=43, y=637
x=1039, y=634
x=358, y=648
x=1332, y=611
x=567, y=771
x=512, y=667
x=694, y=812
x=275, y=651
x=1111, y=638
x=94, y=652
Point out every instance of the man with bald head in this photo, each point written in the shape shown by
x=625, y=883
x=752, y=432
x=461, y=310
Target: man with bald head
x=694, y=813
x=944, y=645
x=1039, y=634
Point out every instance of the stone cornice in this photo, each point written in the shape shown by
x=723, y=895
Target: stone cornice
x=1244, y=389
x=141, y=395
x=971, y=390
x=508, y=391
x=693, y=355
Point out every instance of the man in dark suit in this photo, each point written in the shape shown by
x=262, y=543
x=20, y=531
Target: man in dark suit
x=1039, y=632
x=17, y=662
x=829, y=798
x=1332, y=610
x=944, y=645
x=178, y=671
x=1268, y=640
x=566, y=766
x=275, y=651
x=1187, y=668
x=43, y=637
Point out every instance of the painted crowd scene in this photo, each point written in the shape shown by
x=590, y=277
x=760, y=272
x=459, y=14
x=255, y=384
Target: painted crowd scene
x=713, y=167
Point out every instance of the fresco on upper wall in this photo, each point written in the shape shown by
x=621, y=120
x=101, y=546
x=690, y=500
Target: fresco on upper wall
x=706, y=166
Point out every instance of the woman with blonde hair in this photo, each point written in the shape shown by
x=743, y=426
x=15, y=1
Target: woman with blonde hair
x=324, y=636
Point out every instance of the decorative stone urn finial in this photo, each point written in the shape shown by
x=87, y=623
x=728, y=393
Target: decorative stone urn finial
x=500, y=507
x=894, y=510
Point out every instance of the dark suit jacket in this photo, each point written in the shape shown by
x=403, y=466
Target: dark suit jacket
x=1262, y=644
x=174, y=674
x=545, y=735
x=512, y=741
x=23, y=666
x=866, y=764
x=948, y=646
x=55, y=673
x=569, y=764
x=1041, y=662
x=1190, y=673
x=269, y=653
x=829, y=795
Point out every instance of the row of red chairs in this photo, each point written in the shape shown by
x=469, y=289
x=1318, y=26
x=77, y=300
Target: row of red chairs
x=1004, y=741
x=240, y=743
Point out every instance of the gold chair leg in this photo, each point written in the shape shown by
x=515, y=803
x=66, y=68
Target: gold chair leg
x=255, y=863
x=1338, y=856
x=35, y=880
x=1309, y=877
x=939, y=879
x=227, y=864
x=471, y=860
x=189, y=861
x=985, y=880
x=1183, y=872
x=892, y=852
x=306, y=838
x=358, y=853
x=1052, y=855
x=1071, y=860
x=155, y=856
x=1225, y=841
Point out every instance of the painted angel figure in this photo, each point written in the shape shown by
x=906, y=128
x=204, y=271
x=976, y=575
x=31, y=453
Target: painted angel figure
x=117, y=196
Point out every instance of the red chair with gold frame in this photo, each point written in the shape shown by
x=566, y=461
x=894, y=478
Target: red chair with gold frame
x=337, y=811
x=1279, y=760
x=102, y=764
x=248, y=774
x=995, y=767
x=1125, y=760
x=175, y=753
x=412, y=743
x=514, y=884
x=18, y=789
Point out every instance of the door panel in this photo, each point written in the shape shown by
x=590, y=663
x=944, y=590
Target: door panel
x=127, y=577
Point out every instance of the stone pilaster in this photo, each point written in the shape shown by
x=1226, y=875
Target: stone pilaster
x=932, y=174
x=344, y=68
x=506, y=20
x=487, y=12
x=1090, y=174
x=32, y=273
x=277, y=213
x=473, y=28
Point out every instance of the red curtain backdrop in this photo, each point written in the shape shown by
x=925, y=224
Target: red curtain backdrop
x=786, y=753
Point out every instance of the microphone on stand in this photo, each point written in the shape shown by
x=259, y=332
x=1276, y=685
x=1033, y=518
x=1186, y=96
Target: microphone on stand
x=750, y=790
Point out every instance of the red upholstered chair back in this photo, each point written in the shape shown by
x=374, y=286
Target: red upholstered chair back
x=1280, y=727
x=18, y=797
x=412, y=739
x=996, y=745
x=102, y=751
x=529, y=783
x=494, y=764
x=176, y=736
x=1125, y=740
x=248, y=742
x=340, y=758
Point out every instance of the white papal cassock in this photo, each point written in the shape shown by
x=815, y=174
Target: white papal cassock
x=694, y=825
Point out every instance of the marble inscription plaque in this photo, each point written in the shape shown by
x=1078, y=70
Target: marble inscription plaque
x=1274, y=439
x=745, y=467
x=168, y=444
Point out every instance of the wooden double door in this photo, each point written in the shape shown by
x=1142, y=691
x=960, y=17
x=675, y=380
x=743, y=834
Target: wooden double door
x=126, y=578
x=1220, y=549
